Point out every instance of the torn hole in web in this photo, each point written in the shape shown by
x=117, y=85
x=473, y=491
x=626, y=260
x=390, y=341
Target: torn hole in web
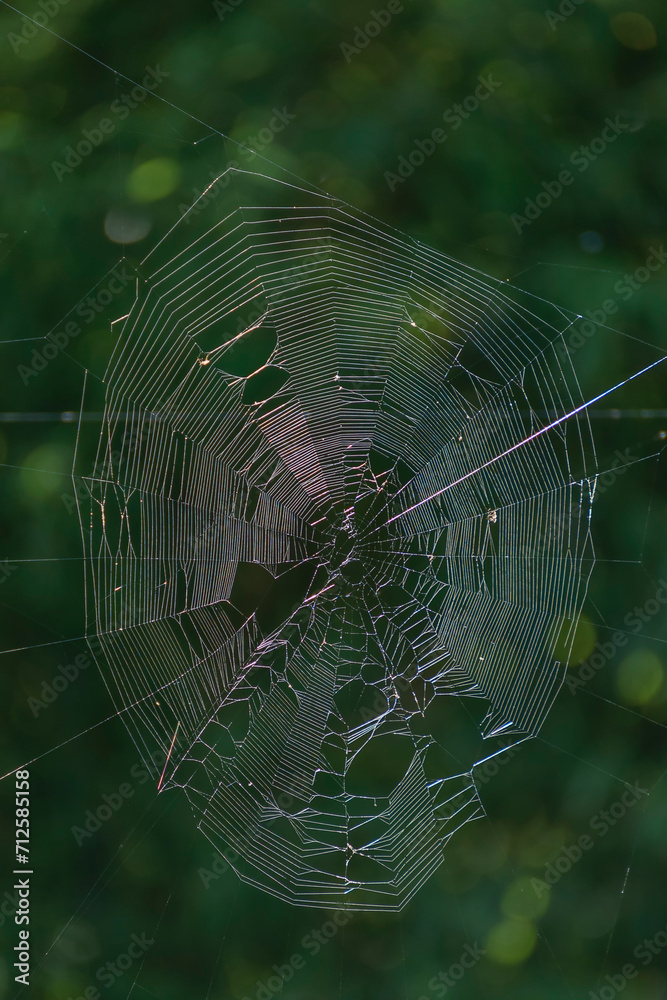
x=242, y=353
x=340, y=526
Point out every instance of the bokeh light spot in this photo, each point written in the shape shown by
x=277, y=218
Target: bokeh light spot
x=43, y=471
x=640, y=676
x=591, y=242
x=511, y=942
x=11, y=129
x=123, y=225
x=634, y=30
x=154, y=179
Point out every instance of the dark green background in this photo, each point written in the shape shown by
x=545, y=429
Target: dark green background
x=354, y=119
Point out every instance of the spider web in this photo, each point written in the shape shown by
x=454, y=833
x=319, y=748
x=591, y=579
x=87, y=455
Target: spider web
x=337, y=538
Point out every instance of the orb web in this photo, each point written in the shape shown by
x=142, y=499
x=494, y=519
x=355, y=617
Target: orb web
x=338, y=536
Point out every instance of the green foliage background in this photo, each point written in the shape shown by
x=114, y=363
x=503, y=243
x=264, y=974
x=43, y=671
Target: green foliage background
x=355, y=115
